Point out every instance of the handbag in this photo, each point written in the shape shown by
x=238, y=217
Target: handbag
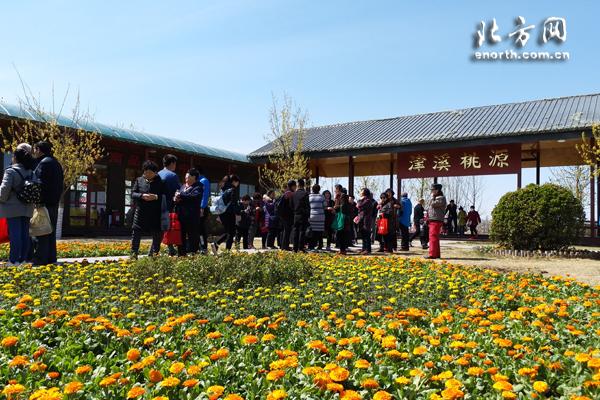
x=3, y=230
x=39, y=224
x=382, y=226
x=338, y=222
x=172, y=236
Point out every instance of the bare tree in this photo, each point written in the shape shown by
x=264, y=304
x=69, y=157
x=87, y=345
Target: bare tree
x=575, y=178
x=77, y=148
x=288, y=128
x=417, y=188
x=473, y=188
x=374, y=183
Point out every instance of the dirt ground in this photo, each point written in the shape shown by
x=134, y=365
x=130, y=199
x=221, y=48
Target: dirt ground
x=465, y=253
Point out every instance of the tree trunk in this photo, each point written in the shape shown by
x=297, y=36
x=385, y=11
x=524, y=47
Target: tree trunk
x=59, y=221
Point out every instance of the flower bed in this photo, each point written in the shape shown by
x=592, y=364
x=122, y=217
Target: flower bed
x=75, y=249
x=351, y=328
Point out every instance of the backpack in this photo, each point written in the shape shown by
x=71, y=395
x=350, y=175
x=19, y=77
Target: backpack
x=31, y=193
x=219, y=206
x=282, y=207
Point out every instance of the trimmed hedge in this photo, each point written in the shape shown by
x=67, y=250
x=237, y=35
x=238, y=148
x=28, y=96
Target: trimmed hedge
x=546, y=217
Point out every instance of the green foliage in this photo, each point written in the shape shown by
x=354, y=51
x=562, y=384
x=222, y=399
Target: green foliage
x=233, y=270
x=547, y=217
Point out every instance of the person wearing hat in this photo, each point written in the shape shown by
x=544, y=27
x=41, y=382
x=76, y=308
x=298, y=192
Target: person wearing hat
x=436, y=212
x=396, y=207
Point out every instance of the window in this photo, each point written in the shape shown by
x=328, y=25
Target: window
x=130, y=177
x=87, y=199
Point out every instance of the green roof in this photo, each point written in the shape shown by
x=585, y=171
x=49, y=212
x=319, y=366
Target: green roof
x=129, y=135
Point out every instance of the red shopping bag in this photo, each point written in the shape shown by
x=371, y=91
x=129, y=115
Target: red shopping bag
x=3, y=230
x=382, y=226
x=173, y=235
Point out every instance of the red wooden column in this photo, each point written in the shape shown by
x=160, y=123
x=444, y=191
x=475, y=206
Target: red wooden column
x=350, y=176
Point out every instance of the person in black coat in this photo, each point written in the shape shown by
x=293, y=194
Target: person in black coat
x=231, y=197
x=301, y=210
x=51, y=176
x=147, y=195
x=420, y=225
x=187, y=204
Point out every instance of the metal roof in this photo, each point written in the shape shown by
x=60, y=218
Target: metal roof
x=128, y=135
x=574, y=113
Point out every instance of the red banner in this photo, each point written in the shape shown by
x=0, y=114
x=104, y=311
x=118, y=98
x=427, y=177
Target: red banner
x=484, y=160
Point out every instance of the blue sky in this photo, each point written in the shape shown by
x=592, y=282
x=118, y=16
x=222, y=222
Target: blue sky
x=205, y=70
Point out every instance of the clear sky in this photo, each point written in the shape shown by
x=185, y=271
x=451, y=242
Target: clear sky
x=205, y=70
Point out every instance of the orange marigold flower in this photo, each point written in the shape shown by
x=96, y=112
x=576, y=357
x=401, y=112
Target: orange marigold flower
x=233, y=396
x=275, y=375
x=249, y=339
x=84, y=369
x=214, y=392
x=339, y=374
x=155, y=376
x=382, y=395
x=18, y=361
x=135, y=392
x=190, y=383
x=452, y=393
x=10, y=341
x=350, y=395
x=11, y=389
x=277, y=395
x=362, y=364
x=369, y=384
x=73, y=387
x=133, y=355
x=107, y=381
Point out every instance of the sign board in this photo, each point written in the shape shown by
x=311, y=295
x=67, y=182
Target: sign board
x=482, y=160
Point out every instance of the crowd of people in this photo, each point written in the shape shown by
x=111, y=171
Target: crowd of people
x=305, y=218
x=33, y=170
x=300, y=219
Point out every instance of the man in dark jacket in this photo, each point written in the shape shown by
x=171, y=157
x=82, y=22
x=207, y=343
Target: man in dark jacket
x=420, y=225
x=284, y=212
x=452, y=212
x=147, y=193
x=301, y=208
x=172, y=185
x=188, y=206
x=51, y=176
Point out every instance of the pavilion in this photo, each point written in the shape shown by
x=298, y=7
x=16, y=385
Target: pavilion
x=486, y=140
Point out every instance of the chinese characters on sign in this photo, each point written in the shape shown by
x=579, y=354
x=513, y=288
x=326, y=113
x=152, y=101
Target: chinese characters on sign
x=487, y=160
x=552, y=29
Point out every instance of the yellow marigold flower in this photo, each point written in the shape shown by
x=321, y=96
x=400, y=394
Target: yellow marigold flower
x=344, y=355
x=176, y=367
x=233, y=396
x=420, y=350
x=339, y=374
x=18, y=361
x=219, y=354
x=540, y=386
x=582, y=357
x=135, y=392
x=267, y=337
x=84, y=369
x=594, y=363
x=382, y=395
x=475, y=371
x=160, y=398
x=452, y=393
x=509, y=395
x=47, y=394
x=133, y=355
x=275, y=375
x=73, y=387
x=402, y=380
x=277, y=395
x=362, y=364
x=250, y=339
x=11, y=389
x=369, y=384
x=171, y=381
x=350, y=395
x=388, y=342
x=453, y=383
x=502, y=385
x=214, y=335
x=10, y=341
x=335, y=387
x=107, y=381
x=214, y=392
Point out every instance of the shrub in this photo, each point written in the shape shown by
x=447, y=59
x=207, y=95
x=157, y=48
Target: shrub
x=546, y=217
x=236, y=270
